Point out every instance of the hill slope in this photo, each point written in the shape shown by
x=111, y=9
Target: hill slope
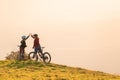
x=29, y=70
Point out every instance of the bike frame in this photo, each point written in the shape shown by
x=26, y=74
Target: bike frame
x=39, y=53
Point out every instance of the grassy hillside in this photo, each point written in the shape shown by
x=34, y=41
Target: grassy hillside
x=29, y=70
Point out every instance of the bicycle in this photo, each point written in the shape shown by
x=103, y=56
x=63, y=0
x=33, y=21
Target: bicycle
x=44, y=56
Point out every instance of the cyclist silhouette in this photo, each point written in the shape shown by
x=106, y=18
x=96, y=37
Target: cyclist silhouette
x=36, y=45
x=22, y=46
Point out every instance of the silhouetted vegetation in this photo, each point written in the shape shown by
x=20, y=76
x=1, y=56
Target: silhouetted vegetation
x=15, y=56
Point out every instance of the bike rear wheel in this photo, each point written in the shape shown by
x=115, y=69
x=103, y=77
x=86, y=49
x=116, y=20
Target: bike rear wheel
x=47, y=57
x=32, y=56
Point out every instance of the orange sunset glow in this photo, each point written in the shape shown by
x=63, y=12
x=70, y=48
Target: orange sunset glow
x=80, y=33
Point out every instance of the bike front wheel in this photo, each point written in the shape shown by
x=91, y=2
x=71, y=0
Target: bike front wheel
x=47, y=57
x=32, y=56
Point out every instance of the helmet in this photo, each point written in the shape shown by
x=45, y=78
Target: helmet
x=23, y=37
x=35, y=35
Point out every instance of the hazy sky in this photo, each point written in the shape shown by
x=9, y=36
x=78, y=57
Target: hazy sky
x=82, y=33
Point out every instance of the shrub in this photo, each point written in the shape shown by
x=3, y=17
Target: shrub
x=15, y=56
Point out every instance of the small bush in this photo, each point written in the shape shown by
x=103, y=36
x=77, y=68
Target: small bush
x=15, y=56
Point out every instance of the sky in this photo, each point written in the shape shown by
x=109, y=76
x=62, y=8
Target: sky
x=79, y=33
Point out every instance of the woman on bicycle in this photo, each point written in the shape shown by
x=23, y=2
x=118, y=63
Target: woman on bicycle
x=36, y=44
x=22, y=46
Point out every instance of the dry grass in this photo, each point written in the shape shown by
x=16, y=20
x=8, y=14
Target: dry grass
x=29, y=70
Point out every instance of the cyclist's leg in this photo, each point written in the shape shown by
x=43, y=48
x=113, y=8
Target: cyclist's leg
x=40, y=50
x=21, y=53
x=35, y=50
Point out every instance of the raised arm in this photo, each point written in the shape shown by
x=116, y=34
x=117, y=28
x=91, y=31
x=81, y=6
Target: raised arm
x=27, y=37
x=32, y=36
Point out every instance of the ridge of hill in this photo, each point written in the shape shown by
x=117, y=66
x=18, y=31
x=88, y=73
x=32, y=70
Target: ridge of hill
x=30, y=70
